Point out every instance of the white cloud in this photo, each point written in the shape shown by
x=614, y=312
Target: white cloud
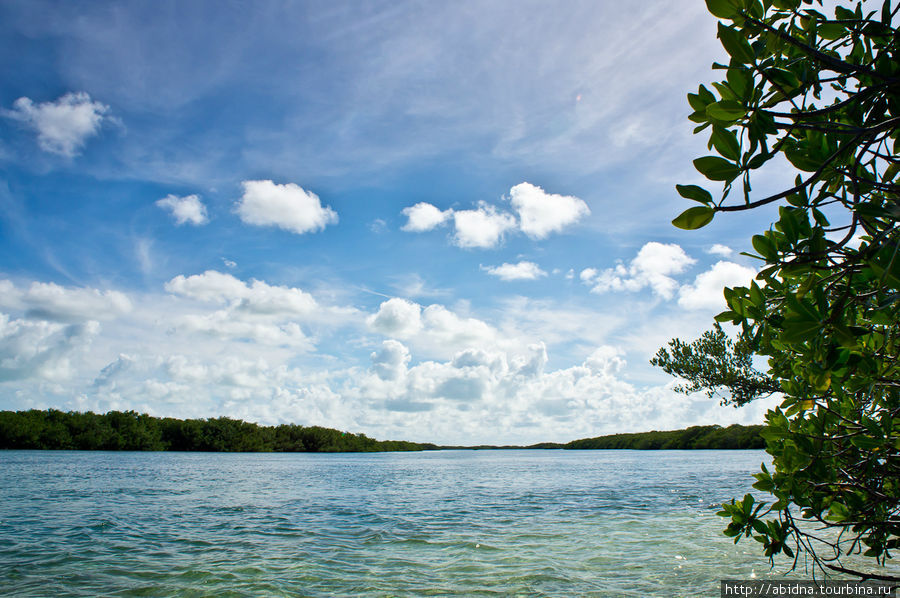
x=520, y=271
x=209, y=286
x=256, y=311
x=542, y=213
x=652, y=267
x=483, y=228
x=424, y=217
x=228, y=325
x=391, y=361
x=605, y=360
x=706, y=292
x=721, y=250
x=588, y=274
x=62, y=126
x=256, y=298
x=288, y=207
x=185, y=209
x=40, y=349
x=397, y=317
x=50, y=301
x=447, y=331
x=434, y=329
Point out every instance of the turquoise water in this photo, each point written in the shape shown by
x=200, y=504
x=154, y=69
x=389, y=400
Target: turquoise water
x=448, y=523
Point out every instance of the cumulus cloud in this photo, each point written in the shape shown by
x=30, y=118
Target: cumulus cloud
x=227, y=324
x=52, y=302
x=390, y=362
x=424, y=217
x=605, y=360
x=211, y=286
x=397, y=318
x=40, y=349
x=482, y=228
x=434, y=329
x=62, y=126
x=257, y=297
x=113, y=371
x=653, y=267
x=185, y=209
x=706, y=292
x=721, y=250
x=288, y=207
x=256, y=311
x=588, y=274
x=444, y=328
x=521, y=271
x=541, y=213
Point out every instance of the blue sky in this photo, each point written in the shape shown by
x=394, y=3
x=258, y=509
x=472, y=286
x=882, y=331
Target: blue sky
x=434, y=221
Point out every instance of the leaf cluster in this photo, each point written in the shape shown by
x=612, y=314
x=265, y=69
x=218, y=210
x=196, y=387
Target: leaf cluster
x=717, y=365
x=821, y=91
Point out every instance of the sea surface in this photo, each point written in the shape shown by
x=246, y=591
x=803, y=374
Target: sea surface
x=445, y=523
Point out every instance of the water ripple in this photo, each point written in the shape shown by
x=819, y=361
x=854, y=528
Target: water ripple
x=482, y=523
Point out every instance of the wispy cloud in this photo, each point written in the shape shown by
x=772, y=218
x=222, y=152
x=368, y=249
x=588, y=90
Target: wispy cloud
x=62, y=126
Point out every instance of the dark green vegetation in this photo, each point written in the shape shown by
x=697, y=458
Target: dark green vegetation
x=695, y=437
x=821, y=91
x=717, y=365
x=130, y=431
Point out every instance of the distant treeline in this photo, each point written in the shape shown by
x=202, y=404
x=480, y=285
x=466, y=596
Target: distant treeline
x=130, y=431
x=695, y=437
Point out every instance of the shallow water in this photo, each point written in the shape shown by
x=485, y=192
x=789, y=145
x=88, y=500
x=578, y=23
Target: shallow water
x=461, y=523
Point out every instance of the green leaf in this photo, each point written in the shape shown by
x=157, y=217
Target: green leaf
x=736, y=45
x=696, y=102
x=694, y=192
x=831, y=31
x=838, y=512
x=865, y=443
x=726, y=143
x=716, y=169
x=726, y=110
x=798, y=331
x=739, y=80
x=764, y=247
x=724, y=9
x=694, y=218
x=801, y=159
x=783, y=78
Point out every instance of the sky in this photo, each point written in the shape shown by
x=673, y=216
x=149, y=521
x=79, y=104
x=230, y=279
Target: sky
x=434, y=221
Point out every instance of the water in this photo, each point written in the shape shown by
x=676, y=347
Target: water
x=448, y=523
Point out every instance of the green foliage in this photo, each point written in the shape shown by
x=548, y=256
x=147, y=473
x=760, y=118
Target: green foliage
x=695, y=437
x=130, y=431
x=715, y=364
x=822, y=92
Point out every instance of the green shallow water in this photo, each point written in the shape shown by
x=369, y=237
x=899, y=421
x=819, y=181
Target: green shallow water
x=448, y=523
